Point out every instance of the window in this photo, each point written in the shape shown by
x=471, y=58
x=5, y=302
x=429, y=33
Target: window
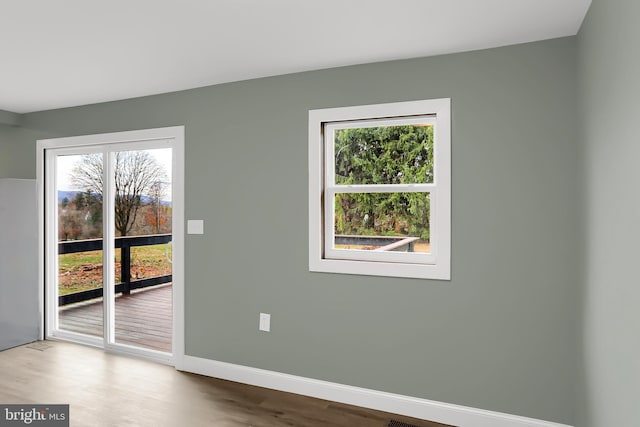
x=380, y=189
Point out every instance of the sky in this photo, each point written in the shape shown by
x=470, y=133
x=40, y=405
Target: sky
x=66, y=163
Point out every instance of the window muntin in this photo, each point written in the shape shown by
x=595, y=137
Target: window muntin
x=392, y=220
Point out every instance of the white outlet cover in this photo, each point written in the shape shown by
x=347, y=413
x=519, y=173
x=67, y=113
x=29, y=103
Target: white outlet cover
x=195, y=226
x=265, y=322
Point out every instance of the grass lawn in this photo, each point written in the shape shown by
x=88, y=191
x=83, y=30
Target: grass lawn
x=82, y=271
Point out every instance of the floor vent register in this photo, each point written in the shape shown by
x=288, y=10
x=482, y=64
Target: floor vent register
x=396, y=423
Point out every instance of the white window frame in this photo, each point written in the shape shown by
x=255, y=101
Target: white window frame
x=322, y=189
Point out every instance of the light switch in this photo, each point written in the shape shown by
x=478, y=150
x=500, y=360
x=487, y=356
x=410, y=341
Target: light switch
x=195, y=226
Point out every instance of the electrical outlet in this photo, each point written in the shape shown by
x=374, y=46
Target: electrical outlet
x=265, y=322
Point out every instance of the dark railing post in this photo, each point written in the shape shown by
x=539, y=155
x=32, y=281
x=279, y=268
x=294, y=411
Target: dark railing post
x=411, y=247
x=125, y=267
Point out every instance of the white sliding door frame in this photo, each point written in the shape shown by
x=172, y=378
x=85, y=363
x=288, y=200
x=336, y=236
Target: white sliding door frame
x=108, y=144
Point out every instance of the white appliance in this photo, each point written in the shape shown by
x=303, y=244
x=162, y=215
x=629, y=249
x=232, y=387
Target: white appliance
x=19, y=293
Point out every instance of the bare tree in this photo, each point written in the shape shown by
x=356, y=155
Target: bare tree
x=157, y=191
x=135, y=174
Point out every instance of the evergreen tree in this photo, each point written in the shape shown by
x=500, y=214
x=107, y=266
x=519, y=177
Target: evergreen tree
x=383, y=155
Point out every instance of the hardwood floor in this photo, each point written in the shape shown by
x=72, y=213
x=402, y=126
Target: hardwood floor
x=142, y=319
x=109, y=390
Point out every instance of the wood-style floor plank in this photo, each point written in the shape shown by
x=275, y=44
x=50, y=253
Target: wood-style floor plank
x=109, y=390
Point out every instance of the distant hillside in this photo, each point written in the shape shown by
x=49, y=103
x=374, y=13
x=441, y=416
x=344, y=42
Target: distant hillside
x=70, y=195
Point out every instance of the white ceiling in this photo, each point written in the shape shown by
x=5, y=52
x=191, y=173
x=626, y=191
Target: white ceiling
x=73, y=52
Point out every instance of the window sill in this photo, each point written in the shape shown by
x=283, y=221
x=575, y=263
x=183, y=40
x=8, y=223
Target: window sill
x=387, y=269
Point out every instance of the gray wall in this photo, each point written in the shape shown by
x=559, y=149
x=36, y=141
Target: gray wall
x=18, y=152
x=501, y=335
x=9, y=119
x=609, y=69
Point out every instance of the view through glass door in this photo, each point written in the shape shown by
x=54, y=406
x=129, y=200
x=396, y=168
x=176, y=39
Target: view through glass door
x=142, y=222
x=109, y=245
x=79, y=249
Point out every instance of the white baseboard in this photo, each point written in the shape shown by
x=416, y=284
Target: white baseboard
x=460, y=416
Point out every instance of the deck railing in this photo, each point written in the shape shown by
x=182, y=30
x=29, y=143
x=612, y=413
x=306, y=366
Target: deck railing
x=386, y=243
x=125, y=244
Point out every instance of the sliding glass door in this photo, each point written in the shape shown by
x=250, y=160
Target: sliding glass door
x=109, y=238
x=77, y=239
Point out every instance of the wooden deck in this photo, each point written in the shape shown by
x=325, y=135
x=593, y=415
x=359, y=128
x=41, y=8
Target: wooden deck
x=143, y=319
